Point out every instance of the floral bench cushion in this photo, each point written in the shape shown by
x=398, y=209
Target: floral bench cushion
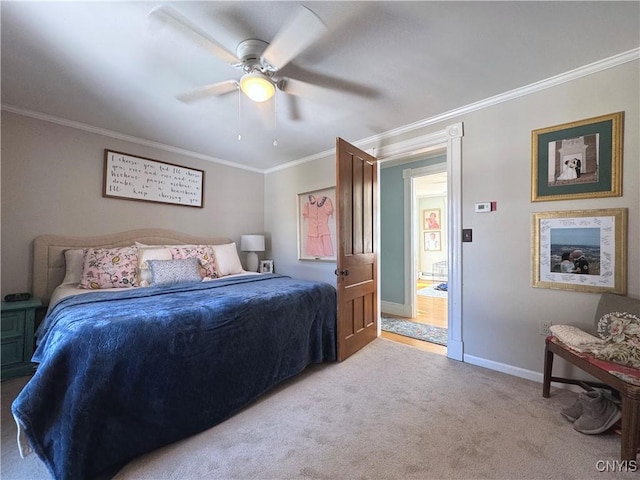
x=621, y=334
x=624, y=372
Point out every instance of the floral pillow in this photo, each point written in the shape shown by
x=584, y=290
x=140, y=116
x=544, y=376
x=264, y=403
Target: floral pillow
x=109, y=268
x=621, y=333
x=204, y=254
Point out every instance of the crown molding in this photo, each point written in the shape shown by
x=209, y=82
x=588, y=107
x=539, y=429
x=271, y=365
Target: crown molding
x=121, y=136
x=590, y=69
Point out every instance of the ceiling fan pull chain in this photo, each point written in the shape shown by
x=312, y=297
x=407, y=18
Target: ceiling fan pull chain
x=239, y=115
x=275, y=122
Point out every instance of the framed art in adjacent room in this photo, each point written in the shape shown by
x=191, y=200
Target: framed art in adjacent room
x=317, y=225
x=431, y=219
x=581, y=159
x=432, y=241
x=582, y=250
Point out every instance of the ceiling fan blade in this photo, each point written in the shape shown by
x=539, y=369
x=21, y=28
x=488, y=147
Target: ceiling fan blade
x=299, y=88
x=300, y=31
x=213, y=90
x=171, y=17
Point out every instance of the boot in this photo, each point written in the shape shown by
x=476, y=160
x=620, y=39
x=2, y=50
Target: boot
x=598, y=413
x=573, y=412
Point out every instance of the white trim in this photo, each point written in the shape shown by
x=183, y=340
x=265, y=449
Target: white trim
x=590, y=69
x=454, y=239
x=518, y=372
x=504, y=368
x=367, y=143
x=393, y=308
x=121, y=136
x=595, y=67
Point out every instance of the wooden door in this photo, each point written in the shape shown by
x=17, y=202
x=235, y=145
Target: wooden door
x=357, y=205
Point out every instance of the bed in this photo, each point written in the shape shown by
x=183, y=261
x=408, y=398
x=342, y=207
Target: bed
x=124, y=371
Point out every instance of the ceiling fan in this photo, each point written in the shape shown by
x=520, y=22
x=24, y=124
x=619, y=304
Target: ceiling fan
x=258, y=60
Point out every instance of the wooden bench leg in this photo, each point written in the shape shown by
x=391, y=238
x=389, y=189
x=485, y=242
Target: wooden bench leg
x=548, y=366
x=630, y=428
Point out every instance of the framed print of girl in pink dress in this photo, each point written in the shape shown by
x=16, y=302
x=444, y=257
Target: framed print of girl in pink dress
x=317, y=225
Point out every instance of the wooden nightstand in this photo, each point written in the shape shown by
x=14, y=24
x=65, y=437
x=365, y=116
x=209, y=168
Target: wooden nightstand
x=17, y=337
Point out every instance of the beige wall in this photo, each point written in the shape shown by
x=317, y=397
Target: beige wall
x=501, y=310
x=52, y=184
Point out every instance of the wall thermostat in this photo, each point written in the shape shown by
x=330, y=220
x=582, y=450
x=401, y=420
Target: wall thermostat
x=483, y=207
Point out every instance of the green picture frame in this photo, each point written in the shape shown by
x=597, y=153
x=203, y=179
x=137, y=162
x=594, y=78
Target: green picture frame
x=581, y=159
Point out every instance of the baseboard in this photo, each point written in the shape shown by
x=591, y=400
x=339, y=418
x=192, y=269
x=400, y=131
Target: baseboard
x=392, y=308
x=516, y=372
x=504, y=368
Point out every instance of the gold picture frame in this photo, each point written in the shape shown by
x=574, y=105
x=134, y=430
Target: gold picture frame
x=596, y=241
x=433, y=241
x=431, y=219
x=580, y=159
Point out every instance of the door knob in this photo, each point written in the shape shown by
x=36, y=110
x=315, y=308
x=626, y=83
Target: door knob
x=342, y=272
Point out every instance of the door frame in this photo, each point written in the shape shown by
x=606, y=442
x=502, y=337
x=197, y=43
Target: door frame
x=450, y=140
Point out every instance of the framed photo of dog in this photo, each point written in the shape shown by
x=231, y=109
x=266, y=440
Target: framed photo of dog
x=581, y=159
x=582, y=250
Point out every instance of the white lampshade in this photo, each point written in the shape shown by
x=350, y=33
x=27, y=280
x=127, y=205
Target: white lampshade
x=252, y=243
x=257, y=86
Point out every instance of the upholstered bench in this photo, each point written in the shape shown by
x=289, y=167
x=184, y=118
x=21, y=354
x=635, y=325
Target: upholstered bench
x=624, y=380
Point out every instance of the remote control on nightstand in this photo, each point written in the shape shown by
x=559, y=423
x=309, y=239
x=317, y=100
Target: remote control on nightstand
x=17, y=297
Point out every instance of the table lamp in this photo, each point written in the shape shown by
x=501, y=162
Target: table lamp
x=252, y=244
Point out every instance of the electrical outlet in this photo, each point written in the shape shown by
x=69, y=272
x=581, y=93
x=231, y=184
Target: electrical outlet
x=545, y=327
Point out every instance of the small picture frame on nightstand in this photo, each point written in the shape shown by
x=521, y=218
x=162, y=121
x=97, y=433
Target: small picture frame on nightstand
x=266, y=266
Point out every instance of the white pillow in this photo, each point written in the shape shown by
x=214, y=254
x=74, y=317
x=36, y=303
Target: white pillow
x=226, y=259
x=74, y=260
x=144, y=255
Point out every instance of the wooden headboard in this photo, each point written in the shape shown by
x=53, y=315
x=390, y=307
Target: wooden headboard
x=48, y=251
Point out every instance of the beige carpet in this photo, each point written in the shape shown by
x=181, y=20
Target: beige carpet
x=415, y=415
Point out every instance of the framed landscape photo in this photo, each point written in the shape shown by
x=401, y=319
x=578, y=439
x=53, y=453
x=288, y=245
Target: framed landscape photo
x=317, y=225
x=581, y=159
x=582, y=250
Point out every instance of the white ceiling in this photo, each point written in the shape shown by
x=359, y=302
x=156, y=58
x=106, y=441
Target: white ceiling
x=388, y=64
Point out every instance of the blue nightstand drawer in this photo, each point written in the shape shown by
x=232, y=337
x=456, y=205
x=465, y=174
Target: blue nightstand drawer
x=18, y=320
x=12, y=323
x=12, y=351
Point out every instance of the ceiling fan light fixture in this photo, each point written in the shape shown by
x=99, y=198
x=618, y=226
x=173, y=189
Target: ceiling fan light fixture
x=257, y=86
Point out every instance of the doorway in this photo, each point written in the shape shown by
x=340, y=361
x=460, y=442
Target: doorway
x=397, y=245
x=423, y=320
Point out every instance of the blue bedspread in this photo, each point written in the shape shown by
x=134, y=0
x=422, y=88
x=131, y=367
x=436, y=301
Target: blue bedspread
x=125, y=373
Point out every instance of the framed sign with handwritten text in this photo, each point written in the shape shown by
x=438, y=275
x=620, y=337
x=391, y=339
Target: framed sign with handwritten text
x=137, y=178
